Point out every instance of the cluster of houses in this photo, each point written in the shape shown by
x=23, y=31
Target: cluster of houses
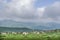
x=24, y=33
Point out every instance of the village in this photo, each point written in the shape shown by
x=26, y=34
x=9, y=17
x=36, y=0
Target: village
x=33, y=32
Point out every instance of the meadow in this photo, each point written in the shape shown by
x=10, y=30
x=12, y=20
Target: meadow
x=31, y=36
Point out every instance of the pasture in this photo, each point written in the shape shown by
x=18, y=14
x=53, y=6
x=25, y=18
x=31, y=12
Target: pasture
x=31, y=36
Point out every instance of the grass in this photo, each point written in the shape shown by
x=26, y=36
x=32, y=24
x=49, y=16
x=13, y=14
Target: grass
x=31, y=36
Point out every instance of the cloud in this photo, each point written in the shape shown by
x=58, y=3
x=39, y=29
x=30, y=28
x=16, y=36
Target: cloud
x=40, y=11
x=52, y=11
x=24, y=10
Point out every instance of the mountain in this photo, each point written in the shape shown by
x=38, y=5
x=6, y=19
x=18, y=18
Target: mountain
x=14, y=25
x=9, y=29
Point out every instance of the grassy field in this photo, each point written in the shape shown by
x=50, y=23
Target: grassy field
x=31, y=36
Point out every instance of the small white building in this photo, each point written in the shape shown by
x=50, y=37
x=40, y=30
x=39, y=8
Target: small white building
x=3, y=33
x=25, y=33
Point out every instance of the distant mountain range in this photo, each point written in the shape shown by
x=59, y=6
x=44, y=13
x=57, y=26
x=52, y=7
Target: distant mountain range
x=7, y=25
x=9, y=29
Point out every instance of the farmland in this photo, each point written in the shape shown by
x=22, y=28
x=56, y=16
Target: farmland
x=31, y=36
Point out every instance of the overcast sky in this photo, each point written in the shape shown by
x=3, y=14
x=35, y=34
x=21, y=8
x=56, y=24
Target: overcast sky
x=30, y=10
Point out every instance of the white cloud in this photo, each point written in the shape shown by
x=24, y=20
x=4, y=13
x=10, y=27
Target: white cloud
x=40, y=11
x=24, y=10
x=50, y=13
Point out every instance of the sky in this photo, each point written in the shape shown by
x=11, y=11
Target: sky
x=30, y=10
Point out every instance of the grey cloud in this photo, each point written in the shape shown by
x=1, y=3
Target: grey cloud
x=52, y=11
x=24, y=9
x=18, y=8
